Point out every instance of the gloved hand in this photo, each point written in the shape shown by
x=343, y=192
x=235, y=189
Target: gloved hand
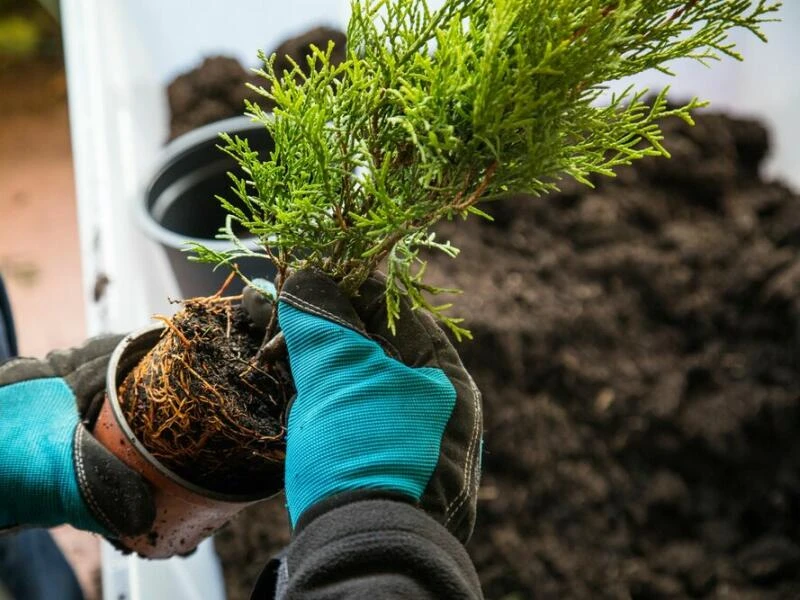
x=52, y=470
x=376, y=413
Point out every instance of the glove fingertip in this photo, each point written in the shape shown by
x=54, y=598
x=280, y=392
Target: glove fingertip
x=257, y=302
x=264, y=286
x=317, y=294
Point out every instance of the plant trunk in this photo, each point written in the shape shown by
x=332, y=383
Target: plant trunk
x=200, y=403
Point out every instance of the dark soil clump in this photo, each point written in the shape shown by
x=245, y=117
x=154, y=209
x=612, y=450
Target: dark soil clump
x=217, y=89
x=298, y=49
x=213, y=91
x=200, y=407
x=638, y=347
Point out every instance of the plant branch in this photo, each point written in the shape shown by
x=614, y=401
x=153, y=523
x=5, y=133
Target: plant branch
x=371, y=153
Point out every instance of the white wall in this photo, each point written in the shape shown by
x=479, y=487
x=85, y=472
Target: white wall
x=180, y=32
x=765, y=85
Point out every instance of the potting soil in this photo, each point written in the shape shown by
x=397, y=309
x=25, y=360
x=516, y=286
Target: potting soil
x=217, y=88
x=637, y=345
x=199, y=404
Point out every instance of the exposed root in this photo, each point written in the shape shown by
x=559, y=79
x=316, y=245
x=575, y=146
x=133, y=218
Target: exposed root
x=195, y=408
x=168, y=322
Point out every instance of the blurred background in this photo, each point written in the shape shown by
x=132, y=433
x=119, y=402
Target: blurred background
x=91, y=92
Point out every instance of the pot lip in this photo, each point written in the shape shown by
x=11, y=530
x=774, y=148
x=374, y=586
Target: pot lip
x=129, y=340
x=173, y=151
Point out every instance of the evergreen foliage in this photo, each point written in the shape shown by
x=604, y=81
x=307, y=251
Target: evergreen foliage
x=435, y=111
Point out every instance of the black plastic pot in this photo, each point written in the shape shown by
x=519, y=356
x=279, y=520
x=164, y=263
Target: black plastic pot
x=180, y=203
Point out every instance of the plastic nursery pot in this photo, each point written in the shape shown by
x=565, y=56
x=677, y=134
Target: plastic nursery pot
x=186, y=513
x=180, y=203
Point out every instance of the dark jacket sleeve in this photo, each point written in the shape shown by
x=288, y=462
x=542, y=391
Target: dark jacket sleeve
x=370, y=549
x=8, y=341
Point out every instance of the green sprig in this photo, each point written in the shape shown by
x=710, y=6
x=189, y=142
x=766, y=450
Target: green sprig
x=435, y=111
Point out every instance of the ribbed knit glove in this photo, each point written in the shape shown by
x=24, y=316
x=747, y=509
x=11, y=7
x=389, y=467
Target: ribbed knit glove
x=376, y=414
x=52, y=470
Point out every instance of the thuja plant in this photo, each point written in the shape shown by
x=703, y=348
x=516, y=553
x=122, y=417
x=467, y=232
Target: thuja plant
x=434, y=112
x=431, y=113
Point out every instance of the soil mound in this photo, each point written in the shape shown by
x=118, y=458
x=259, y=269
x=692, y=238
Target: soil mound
x=213, y=91
x=638, y=349
x=218, y=87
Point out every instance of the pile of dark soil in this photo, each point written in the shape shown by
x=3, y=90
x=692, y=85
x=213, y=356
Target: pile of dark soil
x=637, y=346
x=213, y=91
x=298, y=49
x=217, y=88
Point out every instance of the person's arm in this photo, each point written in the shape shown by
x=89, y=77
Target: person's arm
x=377, y=548
x=383, y=451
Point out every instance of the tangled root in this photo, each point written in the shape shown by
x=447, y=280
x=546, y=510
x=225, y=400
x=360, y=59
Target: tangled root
x=199, y=404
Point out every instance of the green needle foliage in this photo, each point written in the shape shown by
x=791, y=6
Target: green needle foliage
x=435, y=111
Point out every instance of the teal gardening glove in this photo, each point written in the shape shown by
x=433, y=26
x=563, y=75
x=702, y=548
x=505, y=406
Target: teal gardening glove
x=376, y=413
x=52, y=471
